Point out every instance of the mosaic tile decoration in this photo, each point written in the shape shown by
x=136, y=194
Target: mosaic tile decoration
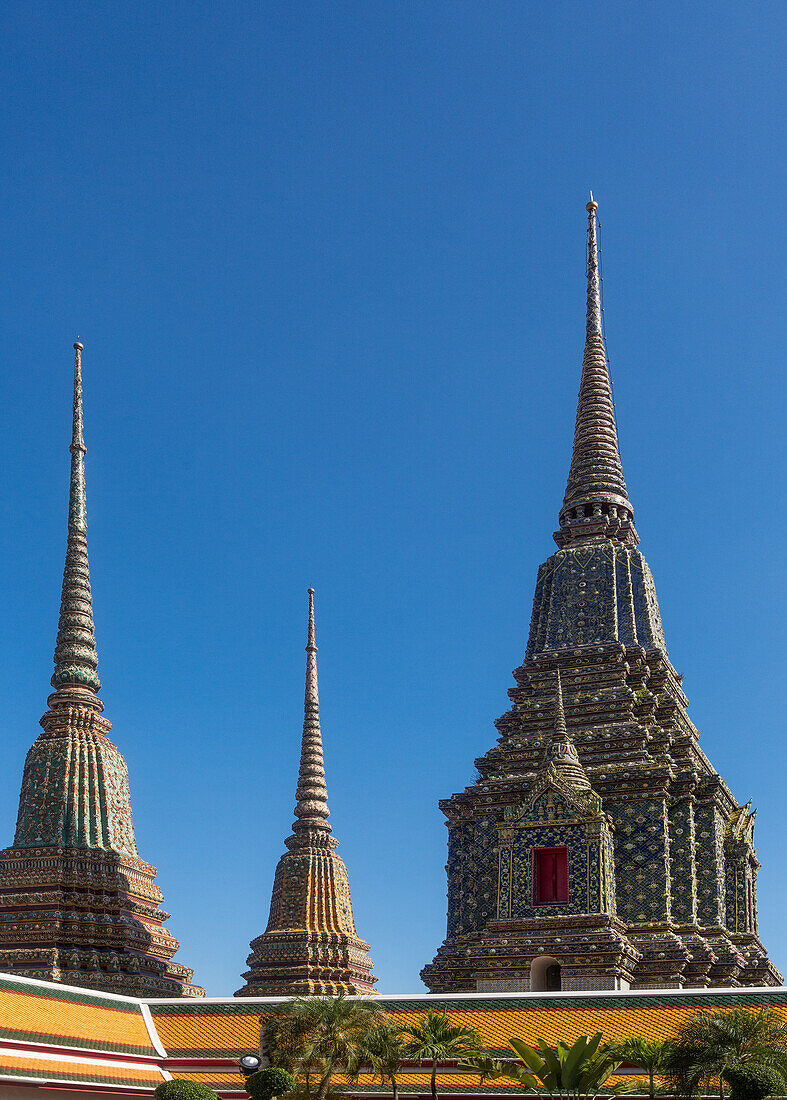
x=671, y=896
x=310, y=945
x=77, y=904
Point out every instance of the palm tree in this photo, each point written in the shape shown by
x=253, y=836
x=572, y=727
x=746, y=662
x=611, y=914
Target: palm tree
x=649, y=1054
x=713, y=1042
x=580, y=1071
x=283, y=1037
x=432, y=1038
x=318, y=1036
x=385, y=1049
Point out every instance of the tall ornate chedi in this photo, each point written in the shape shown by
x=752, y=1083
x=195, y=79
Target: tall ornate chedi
x=77, y=904
x=599, y=848
x=310, y=945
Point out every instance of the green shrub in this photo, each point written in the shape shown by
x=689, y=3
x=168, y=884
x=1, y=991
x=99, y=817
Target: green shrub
x=184, y=1090
x=267, y=1083
x=752, y=1082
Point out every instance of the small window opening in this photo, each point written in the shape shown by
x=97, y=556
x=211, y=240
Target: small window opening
x=550, y=876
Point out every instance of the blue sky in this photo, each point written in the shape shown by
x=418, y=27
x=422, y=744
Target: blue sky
x=327, y=262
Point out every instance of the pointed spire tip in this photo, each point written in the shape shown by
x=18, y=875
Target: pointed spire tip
x=311, y=797
x=560, y=714
x=596, y=503
x=76, y=659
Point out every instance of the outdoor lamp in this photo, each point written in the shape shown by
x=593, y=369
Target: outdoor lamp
x=249, y=1063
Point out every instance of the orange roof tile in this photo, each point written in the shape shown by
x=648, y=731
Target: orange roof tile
x=63, y=1017
x=47, y=1069
x=222, y=1080
x=223, y=1033
x=228, y=1029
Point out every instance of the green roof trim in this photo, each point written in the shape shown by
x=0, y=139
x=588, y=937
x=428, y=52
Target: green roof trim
x=50, y=992
x=86, y=1078
x=523, y=1003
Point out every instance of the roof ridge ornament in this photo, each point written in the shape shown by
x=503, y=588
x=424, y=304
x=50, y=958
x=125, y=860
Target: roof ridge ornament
x=596, y=503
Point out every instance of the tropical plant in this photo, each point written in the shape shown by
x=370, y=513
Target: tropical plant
x=712, y=1043
x=384, y=1049
x=315, y=1037
x=753, y=1082
x=184, y=1090
x=283, y=1039
x=579, y=1071
x=649, y=1054
x=433, y=1038
x=270, y=1082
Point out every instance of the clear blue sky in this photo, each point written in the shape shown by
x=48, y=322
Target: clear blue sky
x=327, y=261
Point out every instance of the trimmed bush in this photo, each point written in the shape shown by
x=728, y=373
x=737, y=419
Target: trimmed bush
x=184, y=1090
x=270, y=1082
x=752, y=1082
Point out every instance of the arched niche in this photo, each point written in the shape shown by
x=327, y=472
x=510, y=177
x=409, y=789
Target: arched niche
x=545, y=974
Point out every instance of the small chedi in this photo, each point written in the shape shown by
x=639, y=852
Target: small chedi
x=599, y=848
x=77, y=904
x=310, y=945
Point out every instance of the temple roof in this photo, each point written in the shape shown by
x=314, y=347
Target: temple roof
x=57, y=1035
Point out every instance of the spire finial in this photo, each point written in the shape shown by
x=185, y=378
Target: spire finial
x=561, y=751
x=560, y=714
x=594, y=285
x=76, y=659
x=311, y=797
x=596, y=503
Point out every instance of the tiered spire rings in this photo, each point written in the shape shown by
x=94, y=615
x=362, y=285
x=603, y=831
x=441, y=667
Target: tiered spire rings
x=77, y=904
x=76, y=659
x=311, y=796
x=626, y=869
x=310, y=945
x=561, y=751
x=596, y=503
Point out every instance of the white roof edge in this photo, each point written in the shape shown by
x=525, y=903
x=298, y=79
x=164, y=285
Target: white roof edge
x=126, y=1056
x=12, y=1079
x=81, y=989
x=153, y=1034
x=101, y=1058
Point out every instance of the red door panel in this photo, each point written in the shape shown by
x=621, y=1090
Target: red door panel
x=550, y=876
